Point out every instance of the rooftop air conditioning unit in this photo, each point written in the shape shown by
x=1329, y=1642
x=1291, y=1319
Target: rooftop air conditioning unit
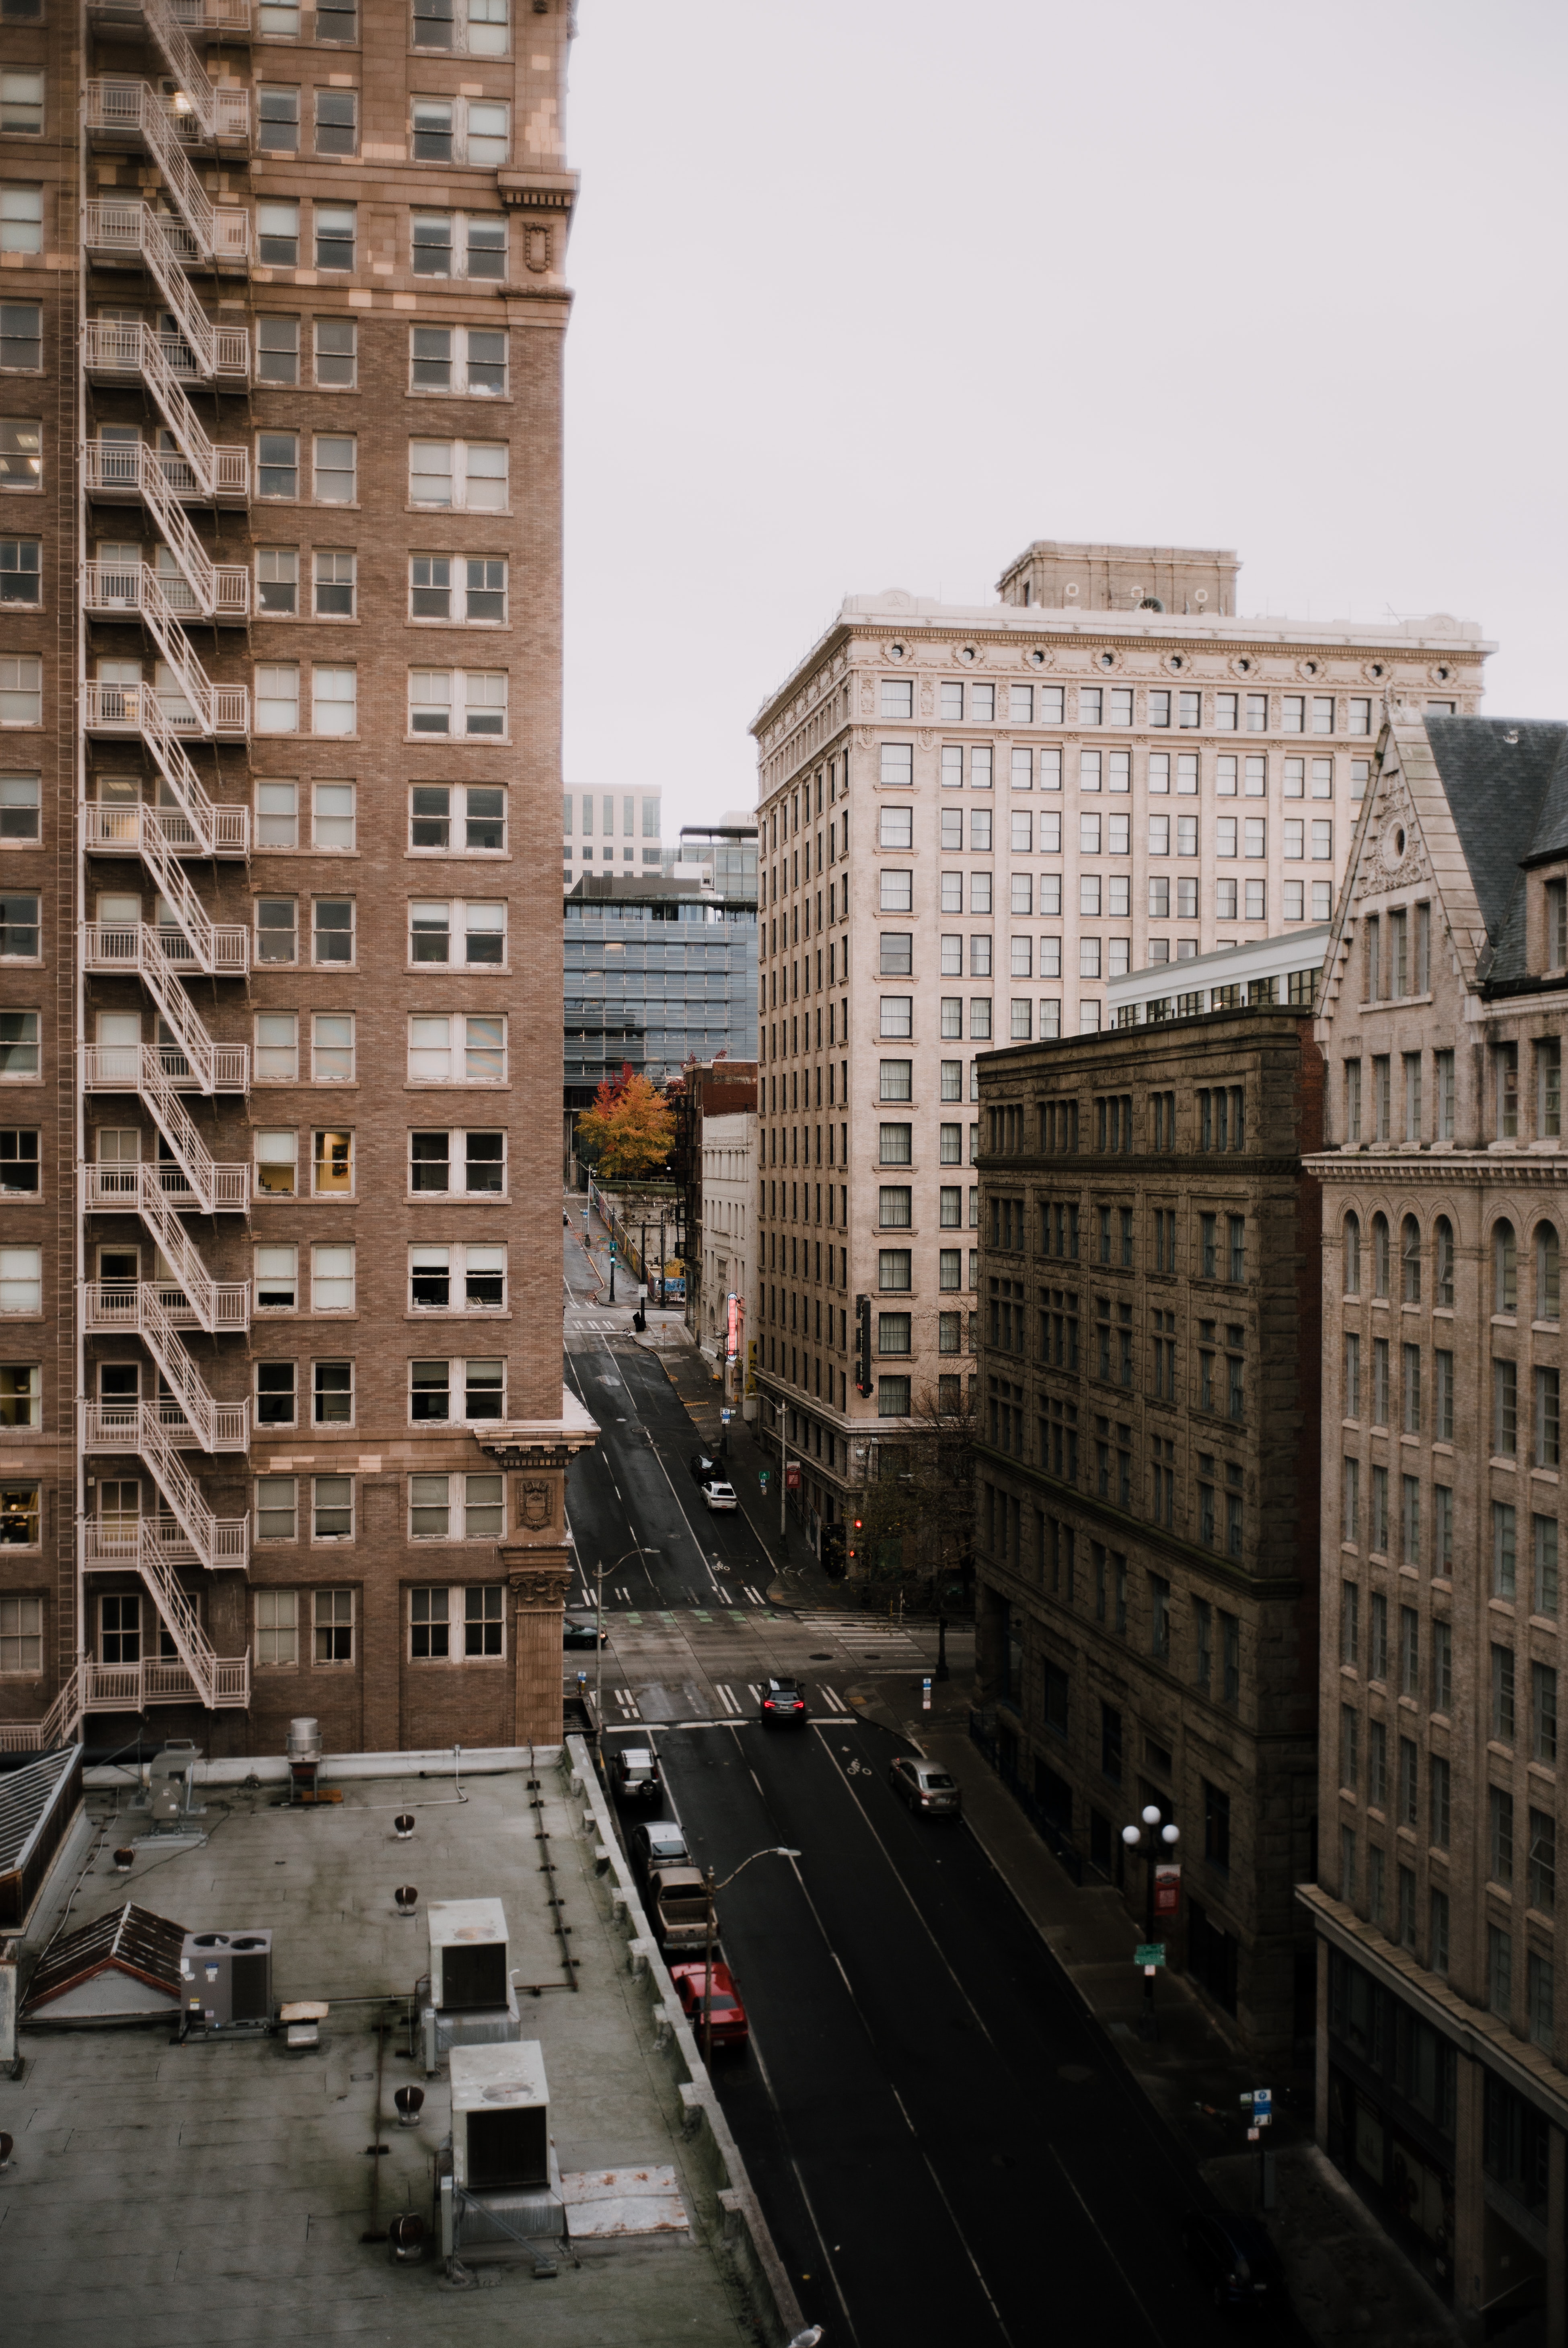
x=472, y=2002
x=226, y=1981
x=498, y=2190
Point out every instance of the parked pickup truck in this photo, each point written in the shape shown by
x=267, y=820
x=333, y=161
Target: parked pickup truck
x=680, y=1907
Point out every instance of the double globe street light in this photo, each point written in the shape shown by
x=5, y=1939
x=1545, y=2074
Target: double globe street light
x=1152, y=1835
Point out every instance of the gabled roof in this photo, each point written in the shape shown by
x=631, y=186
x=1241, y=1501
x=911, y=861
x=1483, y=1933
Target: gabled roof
x=1506, y=784
x=129, y=1940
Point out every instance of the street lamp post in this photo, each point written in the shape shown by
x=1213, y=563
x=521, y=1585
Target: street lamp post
x=774, y=1850
x=1153, y=1835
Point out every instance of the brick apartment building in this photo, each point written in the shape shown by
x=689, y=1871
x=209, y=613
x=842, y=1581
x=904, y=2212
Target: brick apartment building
x=972, y=823
x=279, y=487
x=1443, y=2015
x=1147, y=1543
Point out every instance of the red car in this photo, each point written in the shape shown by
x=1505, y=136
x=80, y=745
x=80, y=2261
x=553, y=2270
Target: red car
x=730, y=2025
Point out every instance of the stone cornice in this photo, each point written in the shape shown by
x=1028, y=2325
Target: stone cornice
x=1458, y=1167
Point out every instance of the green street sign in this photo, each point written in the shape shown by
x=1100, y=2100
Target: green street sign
x=1150, y=1953
x=762, y=1478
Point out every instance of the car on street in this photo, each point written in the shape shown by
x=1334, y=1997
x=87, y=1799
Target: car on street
x=720, y=1498
x=783, y=1705
x=582, y=1631
x=700, y=1997
x=1233, y=2257
x=927, y=1790
x=661, y=1843
x=703, y=1468
x=634, y=1775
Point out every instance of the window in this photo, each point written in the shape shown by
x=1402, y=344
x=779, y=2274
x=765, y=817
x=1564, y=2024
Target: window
x=893, y=1269
x=275, y=1394
x=334, y=701
x=331, y=1508
x=459, y=245
x=457, y=1507
x=471, y=589
x=21, y=1279
x=457, y=1048
x=278, y=350
x=277, y=929
x=278, y=235
x=465, y=701
x=21, y=231
x=331, y=930
x=457, y=931
x=277, y=697
x=22, y=104
x=276, y=1277
x=335, y=469
x=458, y=475
x=461, y=130
x=20, y=453
x=333, y=1616
x=470, y=359
x=894, y=1211
x=277, y=592
x=337, y=121
x=332, y=1165
x=277, y=1610
x=458, y=1279
x=21, y=576
x=278, y=464
x=21, y=328
x=899, y=1015
x=444, y=1392
x=336, y=236
x=459, y=1164
x=278, y=121
x=457, y=819
x=332, y=1278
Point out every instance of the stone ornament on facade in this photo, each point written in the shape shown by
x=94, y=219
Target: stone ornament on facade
x=538, y=1504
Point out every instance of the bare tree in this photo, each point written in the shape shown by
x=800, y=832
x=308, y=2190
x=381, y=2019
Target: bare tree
x=916, y=1534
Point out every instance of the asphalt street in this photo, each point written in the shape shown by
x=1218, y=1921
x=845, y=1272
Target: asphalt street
x=945, y=2147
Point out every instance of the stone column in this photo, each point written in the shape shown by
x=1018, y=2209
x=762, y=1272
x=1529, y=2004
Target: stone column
x=537, y=1567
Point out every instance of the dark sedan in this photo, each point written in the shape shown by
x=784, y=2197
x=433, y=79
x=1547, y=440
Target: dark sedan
x=783, y=1706
x=582, y=1631
x=1234, y=2259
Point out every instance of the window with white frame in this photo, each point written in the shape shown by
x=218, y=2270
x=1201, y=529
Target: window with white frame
x=277, y=815
x=21, y=571
x=19, y=1518
x=334, y=701
x=457, y=702
x=455, y=1047
x=21, y=1635
x=331, y=930
x=22, y=1280
x=20, y=219
x=19, y=1035
x=332, y=1614
x=457, y=1393
x=337, y=576
x=337, y=468
x=461, y=130
x=332, y=812
x=22, y=105
x=277, y=582
x=475, y=28
x=20, y=453
x=19, y=918
x=21, y=1394
x=457, y=1508
x=457, y=931
x=470, y=588
x=277, y=1047
x=444, y=1624
x=337, y=230
x=332, y=1278
x=458, y=1163
x=337, y=121
x=21, y=691
x=277, y=1162
x=331, y=1164
x=458, y=475
x=277, y=1610
x=335, y=343
x=278, y=350
x=468, y=1279
x=468, y=359
x=332, y=1048
x=277, y=1399
x=455, y=818
x=459, y=245
x=277, y=697
x=275, y=1274
x=277, y=930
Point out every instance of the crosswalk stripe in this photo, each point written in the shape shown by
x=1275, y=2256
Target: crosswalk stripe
x=725, y=1696
x=833, y=1698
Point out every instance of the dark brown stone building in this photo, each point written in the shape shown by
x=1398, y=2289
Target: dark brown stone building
x=1147, y=1543
x=280, y=1406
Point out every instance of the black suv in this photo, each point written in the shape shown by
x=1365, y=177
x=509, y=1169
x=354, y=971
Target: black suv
x=783, y=1706
x=703, y=1468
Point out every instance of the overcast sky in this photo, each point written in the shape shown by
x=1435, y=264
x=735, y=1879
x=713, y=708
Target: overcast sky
x=871, y=293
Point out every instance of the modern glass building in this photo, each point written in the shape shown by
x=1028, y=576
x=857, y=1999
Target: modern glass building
x=726, y=851
x=656, y=974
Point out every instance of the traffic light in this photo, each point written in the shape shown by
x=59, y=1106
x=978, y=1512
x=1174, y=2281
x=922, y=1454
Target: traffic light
x=854, y=1525
x=863, y=1345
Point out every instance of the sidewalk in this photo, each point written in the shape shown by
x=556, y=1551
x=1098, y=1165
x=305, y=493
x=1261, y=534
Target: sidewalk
x=1346, y=2278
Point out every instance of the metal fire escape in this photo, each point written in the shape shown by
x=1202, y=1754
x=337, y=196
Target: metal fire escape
x=164, y=233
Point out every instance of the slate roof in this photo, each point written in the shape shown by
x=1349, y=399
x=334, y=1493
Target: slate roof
x=1506, y=782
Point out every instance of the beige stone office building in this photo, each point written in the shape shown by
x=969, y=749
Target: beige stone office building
x=972, y=821
x=281, y=314
x=1443, y=2012
x=729, y=1145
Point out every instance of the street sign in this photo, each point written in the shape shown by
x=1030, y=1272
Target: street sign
x=612, y=1250
x=1263, y=2107
x=792, y=1477
x=726, y=1416
x=1168, y=1889
x=925, y=1695
x=642, y=1292
x=762, y=1478
x=1150, y=1954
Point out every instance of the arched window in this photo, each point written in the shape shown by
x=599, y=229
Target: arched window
x=1548, y=1284
x=1504, y=1268
x=1352, y=1255
x=1379, y=1255
x=1443, y=1261
x=1411, y=1256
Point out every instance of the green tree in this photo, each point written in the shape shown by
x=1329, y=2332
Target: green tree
x=629, y=1129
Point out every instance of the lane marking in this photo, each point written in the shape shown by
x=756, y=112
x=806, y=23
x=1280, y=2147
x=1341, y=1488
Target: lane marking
x=805, y=2197
x=952, y=2218
x=1120, y=2270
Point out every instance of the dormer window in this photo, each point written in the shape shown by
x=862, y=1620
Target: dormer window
x=1557, y=925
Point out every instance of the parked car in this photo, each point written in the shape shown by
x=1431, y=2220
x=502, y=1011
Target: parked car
x=703, y=1468
x=634, y=1775
x=1234, y=2258
x=698, y=1999
x=679, y=1899
x=925, y=1787
x=783, y=1706
x=661, y=1843
x=582, y=1631
x=720, y=1498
